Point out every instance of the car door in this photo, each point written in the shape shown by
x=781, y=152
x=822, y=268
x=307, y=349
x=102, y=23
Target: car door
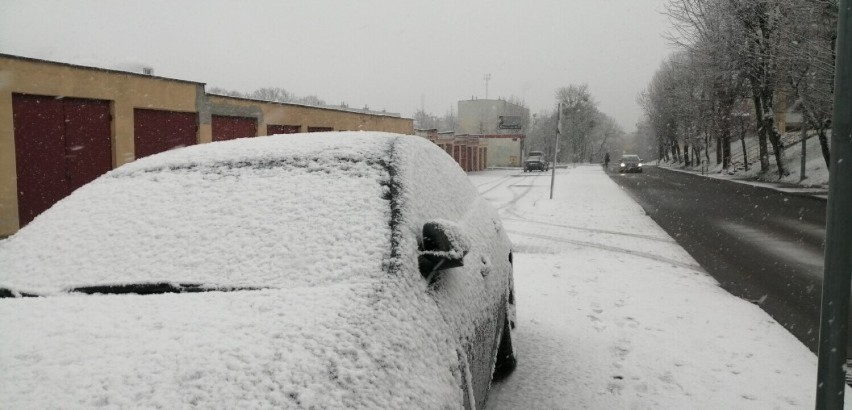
x=470, y=297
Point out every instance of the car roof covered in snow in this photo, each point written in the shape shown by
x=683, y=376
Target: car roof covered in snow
x=276, y=211
x=305, y=218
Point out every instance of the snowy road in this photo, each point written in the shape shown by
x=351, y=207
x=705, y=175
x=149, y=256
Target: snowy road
x=612, y=313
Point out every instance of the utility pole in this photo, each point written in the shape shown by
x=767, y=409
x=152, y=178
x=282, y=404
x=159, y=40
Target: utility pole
x=556, y=148
x=802, y=175
x=834, y=316
x=487, y=79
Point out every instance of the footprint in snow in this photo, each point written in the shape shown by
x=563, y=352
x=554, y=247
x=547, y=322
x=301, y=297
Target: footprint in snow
x=597, y=324
x=621, y=349
x=614, y=387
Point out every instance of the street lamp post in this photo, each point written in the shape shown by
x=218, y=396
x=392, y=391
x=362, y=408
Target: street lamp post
x=556, y=148
x=834, y=315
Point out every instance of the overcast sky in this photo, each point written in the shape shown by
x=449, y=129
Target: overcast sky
x=386, y=54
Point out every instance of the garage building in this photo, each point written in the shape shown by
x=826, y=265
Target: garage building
x=63, y=125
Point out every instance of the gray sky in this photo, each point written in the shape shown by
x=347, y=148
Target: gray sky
x=386, y=54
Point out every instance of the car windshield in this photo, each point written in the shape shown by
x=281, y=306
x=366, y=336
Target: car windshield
x=630, y=158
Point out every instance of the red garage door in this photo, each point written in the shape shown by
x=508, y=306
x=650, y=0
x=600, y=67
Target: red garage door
x=60, y=145
x=463, y=158
x=272, y=129
x=229, y=128
x=157, y=131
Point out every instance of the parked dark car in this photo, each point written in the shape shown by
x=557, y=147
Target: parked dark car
x=344, y=270
x=536, y=161
x=630, y=163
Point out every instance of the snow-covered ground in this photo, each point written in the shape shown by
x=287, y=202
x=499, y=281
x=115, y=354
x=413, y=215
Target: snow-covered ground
x=612, y=313
x=816, y=172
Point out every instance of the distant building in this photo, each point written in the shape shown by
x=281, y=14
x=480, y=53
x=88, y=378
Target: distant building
x=491, y=117
x=788, y=112
x=504, y=150
x=500, y=124
x=490, y=133
x=469, y=151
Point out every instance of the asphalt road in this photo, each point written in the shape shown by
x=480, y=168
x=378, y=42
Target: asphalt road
x=761, y=245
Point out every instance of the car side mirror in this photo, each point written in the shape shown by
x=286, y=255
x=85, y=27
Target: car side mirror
x=444, y=246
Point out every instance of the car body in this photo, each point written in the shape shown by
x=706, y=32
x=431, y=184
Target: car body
x=536, y=161
x=344, y=270
x=629, y=163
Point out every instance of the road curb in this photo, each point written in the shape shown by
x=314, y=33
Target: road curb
x=820, y=195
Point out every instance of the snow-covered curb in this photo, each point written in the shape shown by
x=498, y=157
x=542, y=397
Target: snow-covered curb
x=818, y=192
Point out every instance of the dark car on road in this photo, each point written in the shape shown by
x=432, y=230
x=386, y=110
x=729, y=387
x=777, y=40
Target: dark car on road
x=536, y=161
x=630, y=163
x=344, y=270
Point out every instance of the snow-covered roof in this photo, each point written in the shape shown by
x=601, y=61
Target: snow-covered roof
x=305, y=218
x=248, y=212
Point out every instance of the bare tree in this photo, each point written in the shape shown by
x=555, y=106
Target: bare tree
x=277, y=94
x=661, y=106
x=746, y=36
x=424, y=120
x=541, y=134
x=606, y=136
x=807, y=54
x=222, y=91
x=579, y=116
x=309, y=100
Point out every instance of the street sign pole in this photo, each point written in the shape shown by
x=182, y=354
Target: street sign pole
x=556, y=148
x=834, y=317
x=804, y=155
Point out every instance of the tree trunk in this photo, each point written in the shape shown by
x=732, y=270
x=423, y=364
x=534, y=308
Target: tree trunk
x=778, y=147
x=768, y=123
x=823, y=143
x=745, y=152
x=686, y=159
x=706, y=146
x=726, y=149
x=718, y=150
x=763, y=148
x=820, y=128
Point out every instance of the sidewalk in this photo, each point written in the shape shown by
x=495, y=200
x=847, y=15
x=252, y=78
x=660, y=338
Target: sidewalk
x=612, y=313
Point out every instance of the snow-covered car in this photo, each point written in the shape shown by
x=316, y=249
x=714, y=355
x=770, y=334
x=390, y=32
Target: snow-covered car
x=344, y=270
x=536, y=161
x=629, y=163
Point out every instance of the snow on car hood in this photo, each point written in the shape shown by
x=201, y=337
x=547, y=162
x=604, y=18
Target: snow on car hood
x=278, y=211
x=317, y=347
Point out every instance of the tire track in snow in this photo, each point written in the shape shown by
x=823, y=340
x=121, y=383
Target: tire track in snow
x=496, y=183
x=517, y=196
x=518, y=218
x=640, y=254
